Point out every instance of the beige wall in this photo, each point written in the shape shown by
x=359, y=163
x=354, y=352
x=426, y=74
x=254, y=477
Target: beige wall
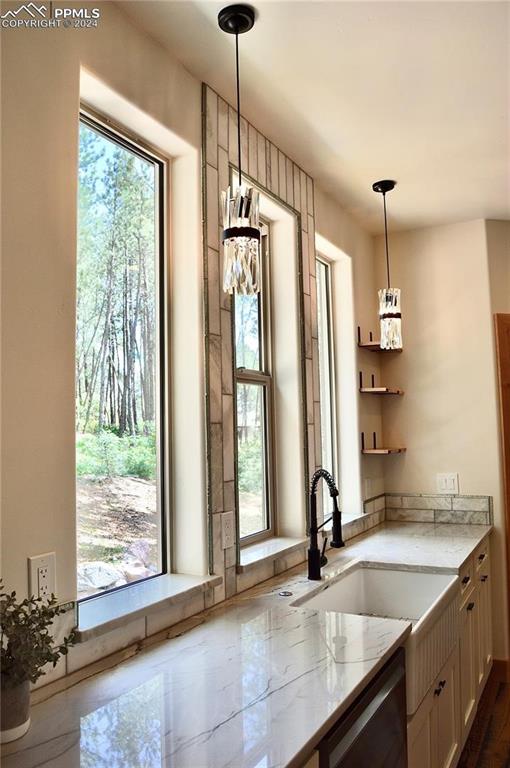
x=345, y=233
x=448, y=417
x=498, y=252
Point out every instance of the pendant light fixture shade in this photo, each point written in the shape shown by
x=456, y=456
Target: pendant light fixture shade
x=390, y=316
x=240, y=204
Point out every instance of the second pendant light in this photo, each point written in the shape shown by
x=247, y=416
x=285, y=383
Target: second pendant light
x=390, y=315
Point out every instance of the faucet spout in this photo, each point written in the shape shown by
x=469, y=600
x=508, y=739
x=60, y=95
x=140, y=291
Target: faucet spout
x=316, y=558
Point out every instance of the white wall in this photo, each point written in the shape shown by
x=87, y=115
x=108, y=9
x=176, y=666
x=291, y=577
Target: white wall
x=448, y=417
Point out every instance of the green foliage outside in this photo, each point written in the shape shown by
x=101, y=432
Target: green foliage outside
x=105, y=454
x=250, y=464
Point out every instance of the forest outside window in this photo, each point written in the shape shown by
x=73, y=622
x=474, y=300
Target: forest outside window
x=119, y=361
x=254, y=408
x=326, y=376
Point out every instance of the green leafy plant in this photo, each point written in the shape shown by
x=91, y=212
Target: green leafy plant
x=26, y=641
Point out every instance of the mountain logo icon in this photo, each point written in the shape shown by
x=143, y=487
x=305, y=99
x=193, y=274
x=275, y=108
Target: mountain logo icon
x=33, y=10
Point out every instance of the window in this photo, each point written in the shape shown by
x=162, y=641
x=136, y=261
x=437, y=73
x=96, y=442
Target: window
x=119, y=361
x=254, y=407
x=326, y=375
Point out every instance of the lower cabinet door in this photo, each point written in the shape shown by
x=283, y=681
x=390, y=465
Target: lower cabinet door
x=420, y=736
x=468, y=665
x=433, y=733
x=484, y=626
x=446, y=713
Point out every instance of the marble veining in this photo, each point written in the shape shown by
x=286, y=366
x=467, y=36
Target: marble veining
x=256, y=685
x=249, y=688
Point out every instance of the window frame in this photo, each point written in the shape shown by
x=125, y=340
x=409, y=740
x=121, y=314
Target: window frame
x=263, y=378
x=335, y=468
x=125, y=138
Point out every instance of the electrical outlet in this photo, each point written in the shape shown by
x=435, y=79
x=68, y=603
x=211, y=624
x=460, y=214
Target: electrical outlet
x=228, y=536
x=448, y=482
x=41, y=575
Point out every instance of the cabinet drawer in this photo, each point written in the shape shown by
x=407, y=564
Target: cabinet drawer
x=481, y=555
x=466, y=578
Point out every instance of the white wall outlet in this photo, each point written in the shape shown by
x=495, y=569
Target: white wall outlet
x=228, y=534
x=448, y=482
x=41, y=575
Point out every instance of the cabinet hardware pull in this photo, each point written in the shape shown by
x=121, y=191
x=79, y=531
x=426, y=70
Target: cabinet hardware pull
x=470, y=606
x=481, y=557
x=466, y=579
x=484, y=578
x=437, y=692
x=442, y=684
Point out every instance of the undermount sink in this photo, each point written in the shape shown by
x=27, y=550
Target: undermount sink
x=383, y=592
x=428, y=600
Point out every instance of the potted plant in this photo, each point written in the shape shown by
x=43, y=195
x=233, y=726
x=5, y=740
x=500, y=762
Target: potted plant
x=26, y=646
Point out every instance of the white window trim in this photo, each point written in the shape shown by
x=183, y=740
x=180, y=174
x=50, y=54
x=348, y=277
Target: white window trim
x=347, y=401
x=186, y=419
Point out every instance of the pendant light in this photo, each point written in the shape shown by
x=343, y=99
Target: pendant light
x=389, y=298
x=240, y=203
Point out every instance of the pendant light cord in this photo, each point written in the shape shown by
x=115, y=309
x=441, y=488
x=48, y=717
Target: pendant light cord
x=386, y=240
x=238, y=110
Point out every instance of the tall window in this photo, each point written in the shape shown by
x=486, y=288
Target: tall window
x=326, y=375
x=253, y=408
x=119, y=335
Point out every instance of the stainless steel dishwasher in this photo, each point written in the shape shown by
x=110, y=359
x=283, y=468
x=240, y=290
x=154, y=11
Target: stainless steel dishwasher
x=372, y=733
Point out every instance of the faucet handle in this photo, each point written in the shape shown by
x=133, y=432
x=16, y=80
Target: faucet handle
x=324, y=559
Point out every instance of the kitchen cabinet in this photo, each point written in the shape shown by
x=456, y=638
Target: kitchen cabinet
x=434, y=730
x=438, y=730
x=468, y=659
x=484, y=625
x=446, y=720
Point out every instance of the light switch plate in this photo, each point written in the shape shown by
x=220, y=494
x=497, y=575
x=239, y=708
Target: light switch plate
x=447, y=482
x=42, y=575
x=228, y=536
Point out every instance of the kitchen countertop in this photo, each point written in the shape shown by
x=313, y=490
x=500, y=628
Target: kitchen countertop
x=255, y=685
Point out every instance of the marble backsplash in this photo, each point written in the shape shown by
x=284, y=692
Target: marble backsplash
x=439, y=508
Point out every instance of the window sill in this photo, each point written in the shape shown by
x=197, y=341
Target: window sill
x=269, y=550
x=106, y=612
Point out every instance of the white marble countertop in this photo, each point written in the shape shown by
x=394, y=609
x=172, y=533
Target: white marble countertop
x=255, y=685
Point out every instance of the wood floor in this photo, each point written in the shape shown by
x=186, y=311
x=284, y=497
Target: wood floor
x=488, y=745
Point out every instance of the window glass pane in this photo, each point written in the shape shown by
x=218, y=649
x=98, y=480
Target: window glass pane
x=117, y=391
x=251, y=459
x=247, y=327
x=325, y=372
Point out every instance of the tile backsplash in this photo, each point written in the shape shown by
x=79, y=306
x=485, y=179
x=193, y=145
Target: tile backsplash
x=439, y=508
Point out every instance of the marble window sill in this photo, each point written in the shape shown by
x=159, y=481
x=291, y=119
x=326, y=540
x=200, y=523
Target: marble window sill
x=269, y=550
x=279, y=546
x=106, y=612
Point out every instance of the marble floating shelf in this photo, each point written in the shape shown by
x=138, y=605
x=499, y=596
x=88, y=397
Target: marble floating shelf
x=382, y=451
x=381, y=391
x=375, y=346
